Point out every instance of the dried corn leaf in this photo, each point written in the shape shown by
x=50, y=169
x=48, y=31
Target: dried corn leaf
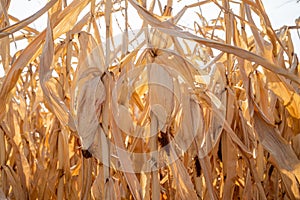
x=282, y=153
x=291, y=100
x=155, y=113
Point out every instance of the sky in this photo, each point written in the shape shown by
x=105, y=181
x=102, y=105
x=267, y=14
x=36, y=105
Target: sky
x=280, y=12
x=284, y=12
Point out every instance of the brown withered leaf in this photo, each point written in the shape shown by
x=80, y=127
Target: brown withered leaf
x=282, y=152
x=193, y=100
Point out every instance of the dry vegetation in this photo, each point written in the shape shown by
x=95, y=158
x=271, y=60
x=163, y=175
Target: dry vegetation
x=230, y=111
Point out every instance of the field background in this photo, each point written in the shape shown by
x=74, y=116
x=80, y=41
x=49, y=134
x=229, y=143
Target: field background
x=237, y=79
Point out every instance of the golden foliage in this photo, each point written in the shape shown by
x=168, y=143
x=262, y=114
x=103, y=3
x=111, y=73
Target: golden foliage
x=165, y=111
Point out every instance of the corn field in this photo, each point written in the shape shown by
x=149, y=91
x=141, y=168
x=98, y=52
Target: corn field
x=137, y=99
